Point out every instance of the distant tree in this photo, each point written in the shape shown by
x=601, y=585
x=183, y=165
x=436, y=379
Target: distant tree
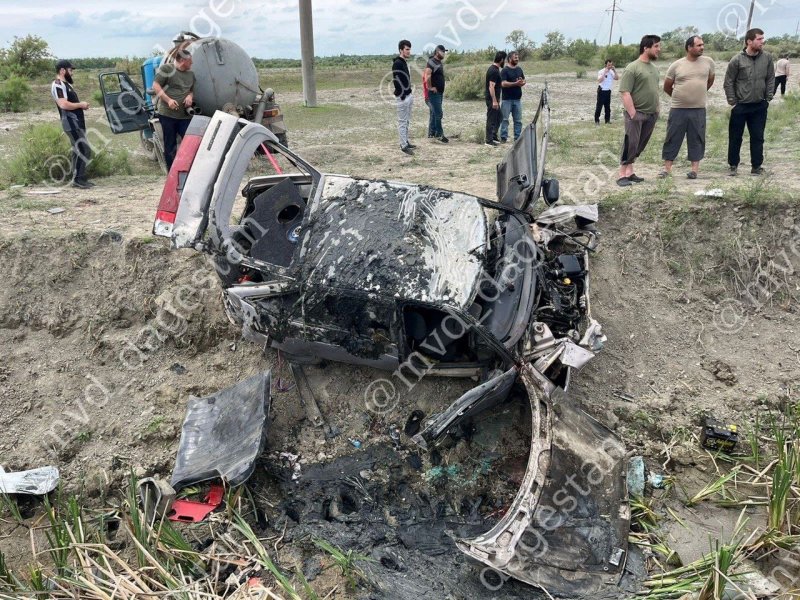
x=679, y=35
x=517, y=40
x=621, y=54
x=555, y=45
x=582, y=51
x=27, y=56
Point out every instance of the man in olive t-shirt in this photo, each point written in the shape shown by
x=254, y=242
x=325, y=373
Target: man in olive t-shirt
x=174, y=85
x=639, y=90
x=687, y=82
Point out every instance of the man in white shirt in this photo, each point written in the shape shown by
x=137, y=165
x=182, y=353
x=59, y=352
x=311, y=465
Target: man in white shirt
x=605, y=81
x=781, y=74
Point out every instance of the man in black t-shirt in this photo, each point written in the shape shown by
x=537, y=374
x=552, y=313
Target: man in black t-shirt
x=434, y=81
x=70, y=110
x=513, y=80
x=492, y=95
x=401, y=78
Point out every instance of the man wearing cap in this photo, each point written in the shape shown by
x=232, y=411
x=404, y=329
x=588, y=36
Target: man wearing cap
x=174, y=85
x=434, y=79
x=70, y=109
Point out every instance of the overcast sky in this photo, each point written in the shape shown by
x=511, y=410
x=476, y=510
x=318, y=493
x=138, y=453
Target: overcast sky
x=270, y=29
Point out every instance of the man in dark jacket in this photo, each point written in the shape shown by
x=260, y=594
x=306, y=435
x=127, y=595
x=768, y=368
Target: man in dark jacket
x=749, y=86
x=70, y=109
x=403, y=92
x=491, y=94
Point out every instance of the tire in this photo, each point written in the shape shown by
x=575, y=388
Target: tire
x=148, y=145
x=158, y=147
x=283, y=139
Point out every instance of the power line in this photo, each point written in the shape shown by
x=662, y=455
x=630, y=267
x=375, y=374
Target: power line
x=613, y=10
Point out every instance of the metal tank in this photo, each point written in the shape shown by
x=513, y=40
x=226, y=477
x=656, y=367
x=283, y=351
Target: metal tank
x=225, y=76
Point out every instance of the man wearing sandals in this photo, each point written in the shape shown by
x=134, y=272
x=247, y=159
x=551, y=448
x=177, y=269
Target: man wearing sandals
x=639, y=91
x=687, y=82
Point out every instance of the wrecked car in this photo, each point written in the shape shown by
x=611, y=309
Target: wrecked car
x=421, y=280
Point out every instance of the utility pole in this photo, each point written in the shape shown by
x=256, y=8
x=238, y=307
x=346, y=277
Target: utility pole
x=613, y=12
x=307, y=54
x=797, y=29
x=750, y=14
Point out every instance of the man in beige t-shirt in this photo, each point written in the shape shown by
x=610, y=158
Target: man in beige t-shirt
x=782, y=74
x=687, y=82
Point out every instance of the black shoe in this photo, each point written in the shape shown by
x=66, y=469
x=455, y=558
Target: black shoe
x=492, y=143
x=407, y=150
x=624, y=182
x=503, y=140
x=496, y=139
x=83, y=185
x=410, y=145
x=635, y=178
x=86, y=182
x=732, y=171
x=757, y=171
x=443, y=139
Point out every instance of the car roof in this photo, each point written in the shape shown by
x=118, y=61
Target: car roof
x=396, y=240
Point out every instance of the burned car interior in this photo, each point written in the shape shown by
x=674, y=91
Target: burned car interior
x=396, y=275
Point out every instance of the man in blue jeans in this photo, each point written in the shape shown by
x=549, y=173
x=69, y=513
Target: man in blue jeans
x=512, y=82
x=434, y=81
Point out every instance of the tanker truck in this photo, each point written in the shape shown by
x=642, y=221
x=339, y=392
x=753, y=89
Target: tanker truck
x=225, y=79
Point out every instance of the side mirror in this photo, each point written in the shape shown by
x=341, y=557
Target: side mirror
x=550, y=191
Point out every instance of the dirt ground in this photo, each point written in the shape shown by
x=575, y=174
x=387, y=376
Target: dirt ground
x=95, y=372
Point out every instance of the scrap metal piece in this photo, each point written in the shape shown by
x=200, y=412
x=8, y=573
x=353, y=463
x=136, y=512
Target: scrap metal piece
x=306, y=395
x=191, y=511
x=156, y=497
x=34, y=481
x=224, y=433
x=473, y=402
x=566, y=530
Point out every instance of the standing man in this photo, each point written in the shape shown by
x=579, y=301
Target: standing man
x=173, y=85
x=749, y=86
x=605, y=81
x=639, y=91
x=491, y=94
x=513, y=80
x=781, y=74
x=403, y=92
x=70, y=110
x=434, y=80
x=687, y=82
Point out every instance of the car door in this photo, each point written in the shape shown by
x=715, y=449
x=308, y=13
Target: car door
x=126, y=107
x=520, y=173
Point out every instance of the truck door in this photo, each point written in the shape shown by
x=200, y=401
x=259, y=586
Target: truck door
x=126, y=108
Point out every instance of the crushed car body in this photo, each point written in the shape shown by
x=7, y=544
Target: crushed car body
x=401, y=276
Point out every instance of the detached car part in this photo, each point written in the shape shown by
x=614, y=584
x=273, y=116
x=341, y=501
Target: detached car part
x=223, y=434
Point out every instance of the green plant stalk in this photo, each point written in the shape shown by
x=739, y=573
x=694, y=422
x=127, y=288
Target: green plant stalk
x=713, y=487
x=263, y=557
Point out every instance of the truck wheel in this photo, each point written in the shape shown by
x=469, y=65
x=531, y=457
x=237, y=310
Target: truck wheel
x=148, y=146
x=158, y=146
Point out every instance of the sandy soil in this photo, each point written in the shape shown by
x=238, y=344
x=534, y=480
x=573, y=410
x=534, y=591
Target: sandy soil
x=95, y=373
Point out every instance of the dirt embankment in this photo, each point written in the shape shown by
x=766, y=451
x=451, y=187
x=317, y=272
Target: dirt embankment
x=105, y=335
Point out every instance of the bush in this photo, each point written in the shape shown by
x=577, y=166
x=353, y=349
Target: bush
x=14, y=94
x=44, y=155
x=582, y=51
x=621, y=54
x=28, y=56
x=467, y=84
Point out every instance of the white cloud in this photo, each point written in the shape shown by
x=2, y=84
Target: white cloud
x=271, y=29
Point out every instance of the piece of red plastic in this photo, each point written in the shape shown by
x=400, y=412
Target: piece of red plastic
x=191, y=511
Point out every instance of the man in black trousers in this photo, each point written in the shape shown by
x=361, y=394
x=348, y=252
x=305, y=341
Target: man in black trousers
x=749, y=86
x=605, y=82
x=492, y=96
